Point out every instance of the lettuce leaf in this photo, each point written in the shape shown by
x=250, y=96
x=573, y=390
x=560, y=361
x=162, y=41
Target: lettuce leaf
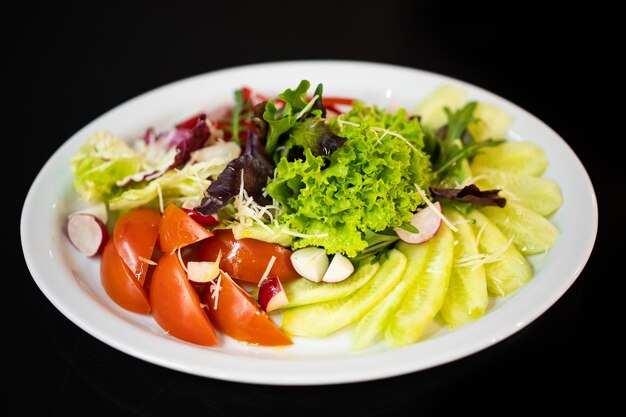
x=365, y=185
x=256, y=167
x=100, y=163
x=312, y=133
x=296, y=107
x=183, y=186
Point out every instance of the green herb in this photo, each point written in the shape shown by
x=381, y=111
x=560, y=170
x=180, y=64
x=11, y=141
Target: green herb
x=236, y=116
x=409, y=227
x=296, y=106
x=453, y=143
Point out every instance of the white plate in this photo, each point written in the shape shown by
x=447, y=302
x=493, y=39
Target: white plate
x=71, y=281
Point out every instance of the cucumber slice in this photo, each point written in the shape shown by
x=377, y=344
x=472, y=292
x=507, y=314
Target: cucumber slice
x=302, y=291
x=506, y=269
x=466, y=298
x=538, y=194
x=431, y=109
x=322, y=319
x=531, y=232
x=373, y=323
x=491, y=122
x=425, y=296
x=517, y=157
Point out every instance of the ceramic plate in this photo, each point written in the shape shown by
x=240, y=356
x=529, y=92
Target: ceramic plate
x=71, y=281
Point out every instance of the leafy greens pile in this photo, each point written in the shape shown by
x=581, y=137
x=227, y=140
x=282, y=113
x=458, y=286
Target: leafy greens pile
x=366, y=185
x=343, y=183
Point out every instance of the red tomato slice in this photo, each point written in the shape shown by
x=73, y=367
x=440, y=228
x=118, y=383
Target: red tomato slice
x=240, y=317
x=177, y=230
x=176, y=305
x=135, y=235
x=120, y=283
x=246, y=259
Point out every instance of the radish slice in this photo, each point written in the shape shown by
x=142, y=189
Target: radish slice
x=339, y=269
x=99, y=210
x=87, y=233
x=271, y=294
x=427, y=221
x=310, y=262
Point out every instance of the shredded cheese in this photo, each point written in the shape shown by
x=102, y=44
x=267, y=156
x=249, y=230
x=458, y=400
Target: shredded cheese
x=476, y=261
x=392, y=133
x=470, y=258
x=180, y=259
x=305, y=109
x=480, y=233
x=342, y=122
x=250, y=212
x=472, y=180
x=433, y=208
x=270, y=264
x=202, y=184
x=215, y=288
x=160, y=194
x=146, y=260
x=510, y=195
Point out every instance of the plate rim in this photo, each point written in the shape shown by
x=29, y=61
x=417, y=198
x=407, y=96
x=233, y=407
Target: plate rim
x=355, y=375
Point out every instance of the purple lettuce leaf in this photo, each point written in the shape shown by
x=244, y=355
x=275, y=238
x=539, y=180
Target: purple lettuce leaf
x=470, y=194
x=257, y=169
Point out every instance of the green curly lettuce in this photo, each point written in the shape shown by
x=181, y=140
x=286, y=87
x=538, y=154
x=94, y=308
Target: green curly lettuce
x=366, y=185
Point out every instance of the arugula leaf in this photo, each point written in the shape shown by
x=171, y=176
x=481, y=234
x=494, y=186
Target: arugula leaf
x=460, y=153
x=296, y=106
x=376, y=243
x=458, y=122
x=453, y=143
x=236, y=114
x=409, y=227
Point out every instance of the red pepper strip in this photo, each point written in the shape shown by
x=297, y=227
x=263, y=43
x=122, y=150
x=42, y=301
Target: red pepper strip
x=189, y=123
x=333, y=101
x=203, y=220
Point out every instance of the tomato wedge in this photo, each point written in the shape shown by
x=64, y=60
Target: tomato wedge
x=176, y=305
x=177, y=230
x=119, y=282
x=135, y=235
x=246, y=259
x=240, y=317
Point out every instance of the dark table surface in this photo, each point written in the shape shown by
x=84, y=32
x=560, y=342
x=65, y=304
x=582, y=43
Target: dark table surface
x=64, y=66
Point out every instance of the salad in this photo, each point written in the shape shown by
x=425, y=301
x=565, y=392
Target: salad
x=302, y=214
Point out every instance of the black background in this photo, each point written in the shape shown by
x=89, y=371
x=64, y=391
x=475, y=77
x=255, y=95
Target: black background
x=65, y=64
